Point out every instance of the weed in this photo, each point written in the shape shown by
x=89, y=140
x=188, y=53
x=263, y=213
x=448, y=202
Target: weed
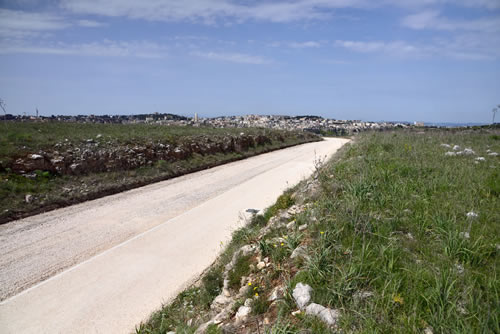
x=241, y=268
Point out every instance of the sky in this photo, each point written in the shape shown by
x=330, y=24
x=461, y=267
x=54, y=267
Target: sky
x=411, y=60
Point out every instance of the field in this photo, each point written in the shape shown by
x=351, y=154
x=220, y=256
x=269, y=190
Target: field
x=401, y=237
x=49, y=165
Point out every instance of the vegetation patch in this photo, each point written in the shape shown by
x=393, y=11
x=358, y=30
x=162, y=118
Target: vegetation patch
x=49, y=165
x=401, y=237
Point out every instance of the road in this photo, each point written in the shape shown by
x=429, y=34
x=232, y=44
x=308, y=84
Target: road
x=103, y=266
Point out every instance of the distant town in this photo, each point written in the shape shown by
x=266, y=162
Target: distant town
x=314, y=124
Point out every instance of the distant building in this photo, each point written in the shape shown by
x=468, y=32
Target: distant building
x=196, y=117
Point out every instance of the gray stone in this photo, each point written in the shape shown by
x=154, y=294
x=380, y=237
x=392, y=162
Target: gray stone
x=261, y=265
x=290, y=225
x=302, y=227
x=242, y=313
x=28, y=198
x=299, y=252
x=468, y=151
x=276, y=294
x=327, y=315
x=36, y=156
x=456, y=148
x=428, y=330
x=220, y=302
x=247, y=250
x=302, y=295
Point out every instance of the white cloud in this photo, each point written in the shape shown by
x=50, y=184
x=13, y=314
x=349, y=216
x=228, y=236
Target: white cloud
x=211, y=11
x=90, y=23
x=106, y=48
x=467, y=47
x=433, y=20
x=308, y=44
x=233, y=57
x=296, y=45
x=394, y=47
x=16, y=24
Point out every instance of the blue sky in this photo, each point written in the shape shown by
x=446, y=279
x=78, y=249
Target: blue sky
x=415, y=60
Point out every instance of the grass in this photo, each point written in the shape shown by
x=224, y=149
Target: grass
x=49, y=190
x=19, y=137
x=394, y=216
x=390, y=242
x=241, y=268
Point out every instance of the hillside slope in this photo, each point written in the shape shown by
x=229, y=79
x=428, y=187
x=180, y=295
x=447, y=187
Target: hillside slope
x=398, y=234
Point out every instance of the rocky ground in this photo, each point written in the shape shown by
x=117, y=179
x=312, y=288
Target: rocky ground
x=254, y=279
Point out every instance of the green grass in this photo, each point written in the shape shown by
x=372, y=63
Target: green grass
x=394, y=222
x=390, y=221
x=241, y=268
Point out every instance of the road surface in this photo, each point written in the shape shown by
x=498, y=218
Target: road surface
x=103, y=266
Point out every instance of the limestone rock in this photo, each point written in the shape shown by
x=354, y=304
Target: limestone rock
x=28, y=198
x=220, y=302
x=276, y=294
x=299, y=252
x=302, y=227
x=261, y=265
x=327, y=315
x=302, y=295
x=242, y=313
x=468, y=151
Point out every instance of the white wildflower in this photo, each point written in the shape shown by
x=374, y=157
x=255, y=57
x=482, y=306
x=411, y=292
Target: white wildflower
x=472, y=214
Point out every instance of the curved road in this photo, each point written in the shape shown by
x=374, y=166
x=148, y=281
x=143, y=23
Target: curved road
x=104, y=265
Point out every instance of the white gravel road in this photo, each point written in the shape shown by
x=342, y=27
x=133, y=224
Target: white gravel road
x=104, y=265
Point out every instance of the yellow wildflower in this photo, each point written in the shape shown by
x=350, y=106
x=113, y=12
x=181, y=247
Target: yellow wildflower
x=398, y=299
x=249, y=283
